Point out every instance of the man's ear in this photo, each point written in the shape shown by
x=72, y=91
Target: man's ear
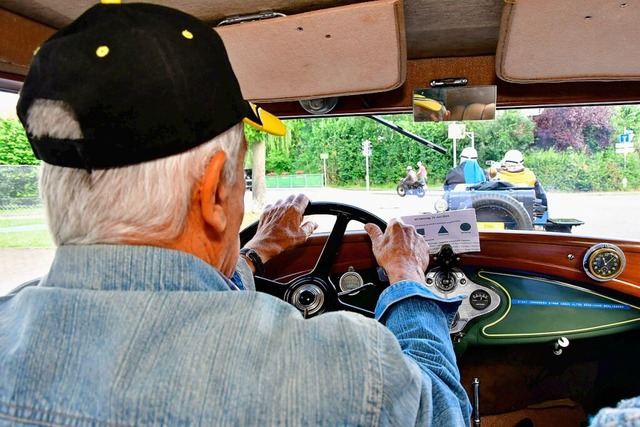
x=214, y=193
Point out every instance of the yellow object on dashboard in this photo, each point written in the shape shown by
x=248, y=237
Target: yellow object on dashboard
x=490, y=225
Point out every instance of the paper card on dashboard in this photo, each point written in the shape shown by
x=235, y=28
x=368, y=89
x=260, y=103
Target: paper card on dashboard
x=457, y=228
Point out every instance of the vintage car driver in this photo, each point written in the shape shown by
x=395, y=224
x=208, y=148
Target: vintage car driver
x=148, y=315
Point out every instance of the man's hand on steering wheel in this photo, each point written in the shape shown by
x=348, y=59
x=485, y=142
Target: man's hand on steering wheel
x=400, y=250
x=317, y=291
x=281, y=227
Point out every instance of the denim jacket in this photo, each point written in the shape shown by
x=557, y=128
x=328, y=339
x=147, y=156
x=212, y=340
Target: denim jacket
x=120, y=335
x=625, y=414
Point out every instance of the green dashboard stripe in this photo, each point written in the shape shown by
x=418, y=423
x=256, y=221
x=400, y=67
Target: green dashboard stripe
x=538, y=307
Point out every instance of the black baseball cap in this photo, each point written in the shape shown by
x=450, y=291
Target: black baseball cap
x=142, y=81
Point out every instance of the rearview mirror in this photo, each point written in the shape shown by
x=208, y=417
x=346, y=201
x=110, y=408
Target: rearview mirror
x=454, y=104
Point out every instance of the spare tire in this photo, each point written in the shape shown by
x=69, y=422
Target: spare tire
x=496, y=207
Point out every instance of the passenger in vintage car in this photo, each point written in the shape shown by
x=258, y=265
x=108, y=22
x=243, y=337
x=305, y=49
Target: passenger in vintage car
x=513, y=170
x=147, y=315
x=467, y=172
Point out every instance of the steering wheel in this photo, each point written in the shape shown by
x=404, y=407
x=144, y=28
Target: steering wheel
x=314, y=293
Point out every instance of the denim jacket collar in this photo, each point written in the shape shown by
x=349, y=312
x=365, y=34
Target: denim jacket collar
x=131, y=268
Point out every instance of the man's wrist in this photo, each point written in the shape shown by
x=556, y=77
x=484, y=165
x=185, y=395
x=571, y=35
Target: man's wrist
x=256, y=260
x=406, y=273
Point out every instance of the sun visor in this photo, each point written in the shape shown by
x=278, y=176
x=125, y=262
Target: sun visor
x=570, y=40
x=347, y=50
x=19, y=38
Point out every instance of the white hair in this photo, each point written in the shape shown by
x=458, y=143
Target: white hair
x=146, y=202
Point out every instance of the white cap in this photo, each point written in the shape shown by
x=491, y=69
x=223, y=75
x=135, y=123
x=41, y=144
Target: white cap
x=513, y=158
x=469, y=153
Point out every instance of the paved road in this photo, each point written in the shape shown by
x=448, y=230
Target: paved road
x=610, y=215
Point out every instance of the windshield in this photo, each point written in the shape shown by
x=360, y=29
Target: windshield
x=584, y=158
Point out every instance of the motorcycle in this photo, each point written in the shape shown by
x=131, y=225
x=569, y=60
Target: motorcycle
x=404, y=188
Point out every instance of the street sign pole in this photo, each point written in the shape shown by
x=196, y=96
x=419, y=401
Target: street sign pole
x=324, y=157
x=367, y=176
x=456, y=131
x=624, y=147
x=366, y=152
x=324, y=172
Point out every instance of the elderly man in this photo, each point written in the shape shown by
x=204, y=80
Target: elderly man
x=147, y=316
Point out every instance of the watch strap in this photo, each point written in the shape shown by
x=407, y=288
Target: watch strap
x=258, y=265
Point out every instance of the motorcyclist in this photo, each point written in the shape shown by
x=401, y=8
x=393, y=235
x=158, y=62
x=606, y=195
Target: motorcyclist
x=422, y=173
x=513, y=170
x=467, y=172
x=412, y=177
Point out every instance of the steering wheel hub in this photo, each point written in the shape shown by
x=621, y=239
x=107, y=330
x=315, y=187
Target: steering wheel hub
x=308, y=298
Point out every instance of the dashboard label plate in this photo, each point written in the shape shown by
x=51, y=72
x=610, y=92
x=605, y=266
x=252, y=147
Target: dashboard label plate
x=458, y=228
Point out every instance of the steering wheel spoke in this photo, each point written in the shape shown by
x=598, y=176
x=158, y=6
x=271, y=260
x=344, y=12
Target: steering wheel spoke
x=271, y=287
x=331, y=247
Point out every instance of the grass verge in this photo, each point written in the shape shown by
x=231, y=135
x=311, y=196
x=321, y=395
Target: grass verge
x=42, y=239
x=26, y=239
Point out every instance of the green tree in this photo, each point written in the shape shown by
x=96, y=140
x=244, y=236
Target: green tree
x=341, y=139
x=14, y=145
x=626, y=117
x=511, y=130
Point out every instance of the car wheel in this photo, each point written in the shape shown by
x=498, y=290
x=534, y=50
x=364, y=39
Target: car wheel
x=501, y=208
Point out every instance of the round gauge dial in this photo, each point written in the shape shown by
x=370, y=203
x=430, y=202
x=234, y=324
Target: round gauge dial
x=604, y=262
x=480, y=299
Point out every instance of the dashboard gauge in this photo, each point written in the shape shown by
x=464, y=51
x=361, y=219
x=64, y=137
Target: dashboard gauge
x=603, y=262
x=480, y=299
x=350, y=280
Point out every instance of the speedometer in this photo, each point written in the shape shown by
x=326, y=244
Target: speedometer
x=603, y=262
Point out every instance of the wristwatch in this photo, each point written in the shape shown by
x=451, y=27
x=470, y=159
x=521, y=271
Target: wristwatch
x=255, y=259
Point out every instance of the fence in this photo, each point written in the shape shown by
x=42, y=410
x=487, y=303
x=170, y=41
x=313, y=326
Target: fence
x=295, y=181
x=19, y=187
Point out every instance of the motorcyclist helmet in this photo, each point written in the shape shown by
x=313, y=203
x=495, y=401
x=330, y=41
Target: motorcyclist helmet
x=409, y=168
x=513, y=158
x=469, y=153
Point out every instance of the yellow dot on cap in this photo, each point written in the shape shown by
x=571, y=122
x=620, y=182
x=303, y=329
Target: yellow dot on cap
x=111, y=1
x=102, y=51
x=187, y=34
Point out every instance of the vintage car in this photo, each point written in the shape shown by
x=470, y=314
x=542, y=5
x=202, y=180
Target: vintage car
x=506, y=206
x=549, y=330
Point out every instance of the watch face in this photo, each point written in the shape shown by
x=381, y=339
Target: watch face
x=604, y=262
